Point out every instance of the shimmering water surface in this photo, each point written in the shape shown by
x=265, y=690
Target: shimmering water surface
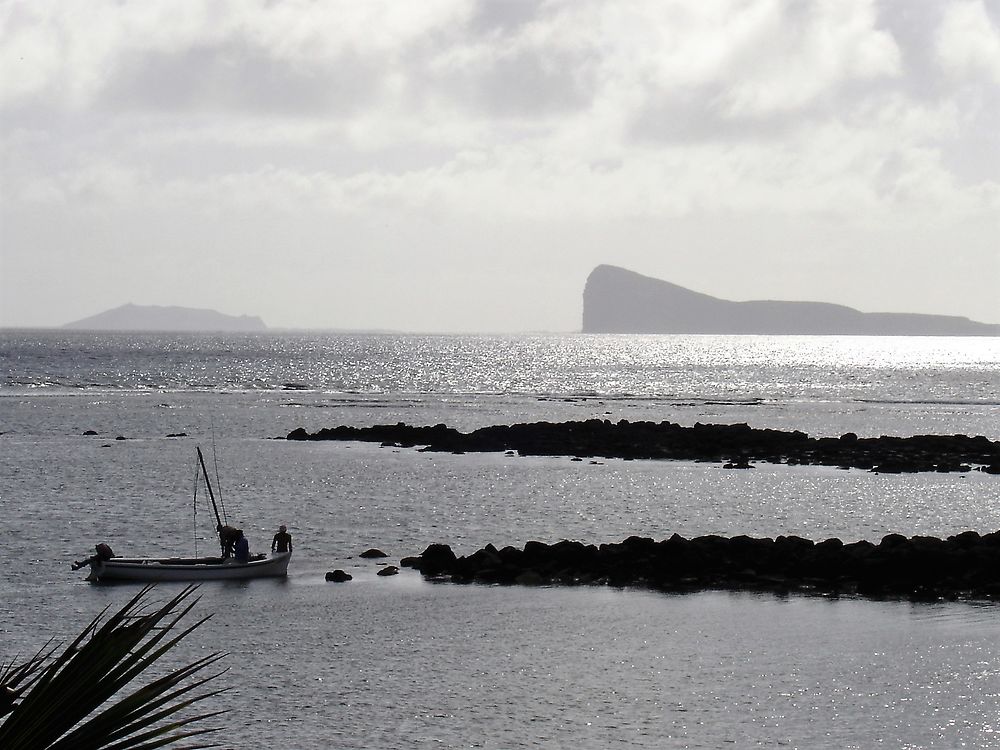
x=399, y=662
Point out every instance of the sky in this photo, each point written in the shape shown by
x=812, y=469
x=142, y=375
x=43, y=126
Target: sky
x=462, y=165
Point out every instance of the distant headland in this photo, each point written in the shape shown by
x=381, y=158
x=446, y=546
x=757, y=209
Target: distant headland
x=155, y=318
x=616, y=300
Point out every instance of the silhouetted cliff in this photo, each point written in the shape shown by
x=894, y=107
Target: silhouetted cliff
x=154, y=318
x=619, y=301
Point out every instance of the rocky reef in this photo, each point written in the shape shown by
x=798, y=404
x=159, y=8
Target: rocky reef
x=735, y=444
x=965, y=566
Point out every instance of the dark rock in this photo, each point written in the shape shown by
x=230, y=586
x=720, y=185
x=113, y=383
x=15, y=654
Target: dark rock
x=966, y=539
x=535, y=549
x=388, y=570
x=509, y=555
x=121, y=437
x=890, y=541
x=488, y=557
x=735, y=445
x=177, y=435
x=372, y=554
x=919, y=568
x=90, y=432
x=338, y=576
x=436, y=560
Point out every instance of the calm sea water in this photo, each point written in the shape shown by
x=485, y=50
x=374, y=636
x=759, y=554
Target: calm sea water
x=399, y=662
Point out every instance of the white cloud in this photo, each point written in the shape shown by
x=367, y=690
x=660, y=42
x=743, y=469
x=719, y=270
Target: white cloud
x=754, y=57
x=877, y=160
x=68, y=52
x=968, y=40
x=762, y=55
x=783, y=63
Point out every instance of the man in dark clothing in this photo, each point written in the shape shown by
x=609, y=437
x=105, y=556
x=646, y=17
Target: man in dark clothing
x=242, y=547
x=282, y=541
x=227, y=538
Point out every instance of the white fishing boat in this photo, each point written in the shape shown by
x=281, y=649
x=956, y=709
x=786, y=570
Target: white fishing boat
x=188, y=569
x=105, y=566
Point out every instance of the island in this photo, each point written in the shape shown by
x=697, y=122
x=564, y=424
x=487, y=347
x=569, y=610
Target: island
x=616, y=300
x=131, y=317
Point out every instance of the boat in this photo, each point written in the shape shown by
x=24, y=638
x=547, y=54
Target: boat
x=187, y=569
x=105, y=566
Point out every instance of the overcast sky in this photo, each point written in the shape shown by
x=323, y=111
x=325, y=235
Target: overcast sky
x=452, y=165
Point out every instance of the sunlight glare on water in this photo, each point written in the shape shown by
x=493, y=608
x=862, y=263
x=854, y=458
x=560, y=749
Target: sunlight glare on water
x=400, y=662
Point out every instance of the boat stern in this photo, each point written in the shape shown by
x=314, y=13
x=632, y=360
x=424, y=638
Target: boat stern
x=96, y=569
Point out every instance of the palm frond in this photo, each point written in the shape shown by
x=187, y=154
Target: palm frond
x=18, y=676
x=68, y=699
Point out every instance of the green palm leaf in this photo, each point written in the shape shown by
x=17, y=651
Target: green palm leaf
x=78, y=699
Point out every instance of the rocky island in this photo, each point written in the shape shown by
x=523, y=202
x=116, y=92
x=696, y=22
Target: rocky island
x=616, y=300
x=131, y=317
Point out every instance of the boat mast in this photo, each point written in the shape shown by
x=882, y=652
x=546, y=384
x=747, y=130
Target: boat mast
x=211, y=494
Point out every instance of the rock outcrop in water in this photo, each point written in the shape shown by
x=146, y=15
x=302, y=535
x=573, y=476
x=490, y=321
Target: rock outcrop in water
x=616, y=300
x=736, y=444
x=921, y=567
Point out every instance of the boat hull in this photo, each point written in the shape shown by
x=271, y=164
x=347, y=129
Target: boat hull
x=192, y=569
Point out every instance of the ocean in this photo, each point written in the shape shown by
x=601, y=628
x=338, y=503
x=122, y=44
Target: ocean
x=400, y=662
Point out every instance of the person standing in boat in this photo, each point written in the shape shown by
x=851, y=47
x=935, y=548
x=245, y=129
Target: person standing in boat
x=241, y=547
x=227, y=538
x=282, y=541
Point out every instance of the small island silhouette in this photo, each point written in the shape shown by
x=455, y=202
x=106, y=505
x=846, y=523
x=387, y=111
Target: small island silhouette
x=616, y=300
x=131, y=317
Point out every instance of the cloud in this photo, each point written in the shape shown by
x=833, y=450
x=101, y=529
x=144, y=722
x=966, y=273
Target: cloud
x=520, y=58
x=233, y=77
x=68, y=55
x=968, y=41
x=878, y=160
